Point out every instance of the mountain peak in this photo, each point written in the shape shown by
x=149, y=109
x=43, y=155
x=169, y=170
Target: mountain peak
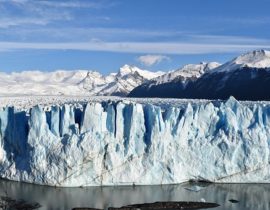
x=254, y=59
x=130, y=69
x=126, y=69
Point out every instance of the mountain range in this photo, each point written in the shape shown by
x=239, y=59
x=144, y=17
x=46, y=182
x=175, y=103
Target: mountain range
x=78, y=82
x=246, y=77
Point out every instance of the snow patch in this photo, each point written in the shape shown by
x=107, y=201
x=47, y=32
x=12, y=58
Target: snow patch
x=190, y=71
x=254, y=59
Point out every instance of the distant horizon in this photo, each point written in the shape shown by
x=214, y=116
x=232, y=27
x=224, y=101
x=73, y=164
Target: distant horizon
x=104, y=35
x=118, y=69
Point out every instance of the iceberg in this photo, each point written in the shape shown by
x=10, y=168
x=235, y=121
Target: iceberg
x=128, y=142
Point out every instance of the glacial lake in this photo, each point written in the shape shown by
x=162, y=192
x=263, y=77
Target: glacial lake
x=250, y=196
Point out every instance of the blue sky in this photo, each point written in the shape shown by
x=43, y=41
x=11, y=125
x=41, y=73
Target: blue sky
x=103, y=35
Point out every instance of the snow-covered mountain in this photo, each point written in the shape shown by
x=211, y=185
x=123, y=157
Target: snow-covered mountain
x=255, y=59
x=182, y=77
x=187, y=72
x=80, y=82
x=121, y=83
x=246, y=77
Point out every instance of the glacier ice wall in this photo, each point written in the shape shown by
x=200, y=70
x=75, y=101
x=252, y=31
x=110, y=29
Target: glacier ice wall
x=126, y=143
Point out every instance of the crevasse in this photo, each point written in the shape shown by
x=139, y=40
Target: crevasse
x=126, y=143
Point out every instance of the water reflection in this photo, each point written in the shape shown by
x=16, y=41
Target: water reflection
x=250, y=196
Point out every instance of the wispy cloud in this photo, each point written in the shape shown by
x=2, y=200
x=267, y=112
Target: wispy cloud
x=206, y=38
x=137, y=47
x=60, y=3
x=246, y=21
x=71, y=4
x=60, y=25
x=31, y=16
x=43, y=12
x=80, y=33
x=150, y=60
x=7, y=22
x=111, y=34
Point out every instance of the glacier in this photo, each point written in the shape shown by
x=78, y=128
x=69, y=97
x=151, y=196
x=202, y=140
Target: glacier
x=128, y=142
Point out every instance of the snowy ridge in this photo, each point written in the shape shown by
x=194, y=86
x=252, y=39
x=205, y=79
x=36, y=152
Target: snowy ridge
x=127, y=69
x=254, y=59
x=80, y=82
x=123, y=142
x=126, y=80
x=190, y=71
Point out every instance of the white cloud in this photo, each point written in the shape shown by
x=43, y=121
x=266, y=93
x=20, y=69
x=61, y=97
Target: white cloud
x=59, y=3
x=225, y=39
x=150, y=60
x=71, y=4
x=7, y=22
x=137, y=47
x=44, y=12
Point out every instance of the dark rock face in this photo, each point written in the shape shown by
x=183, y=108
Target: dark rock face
x=172, y=89
x=234, y=201
x=85, y=209
x=162, y=205
x=244, y=84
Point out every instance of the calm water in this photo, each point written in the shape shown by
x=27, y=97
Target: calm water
x=250, y=196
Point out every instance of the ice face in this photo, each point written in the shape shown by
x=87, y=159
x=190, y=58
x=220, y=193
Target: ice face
x=126, y=142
